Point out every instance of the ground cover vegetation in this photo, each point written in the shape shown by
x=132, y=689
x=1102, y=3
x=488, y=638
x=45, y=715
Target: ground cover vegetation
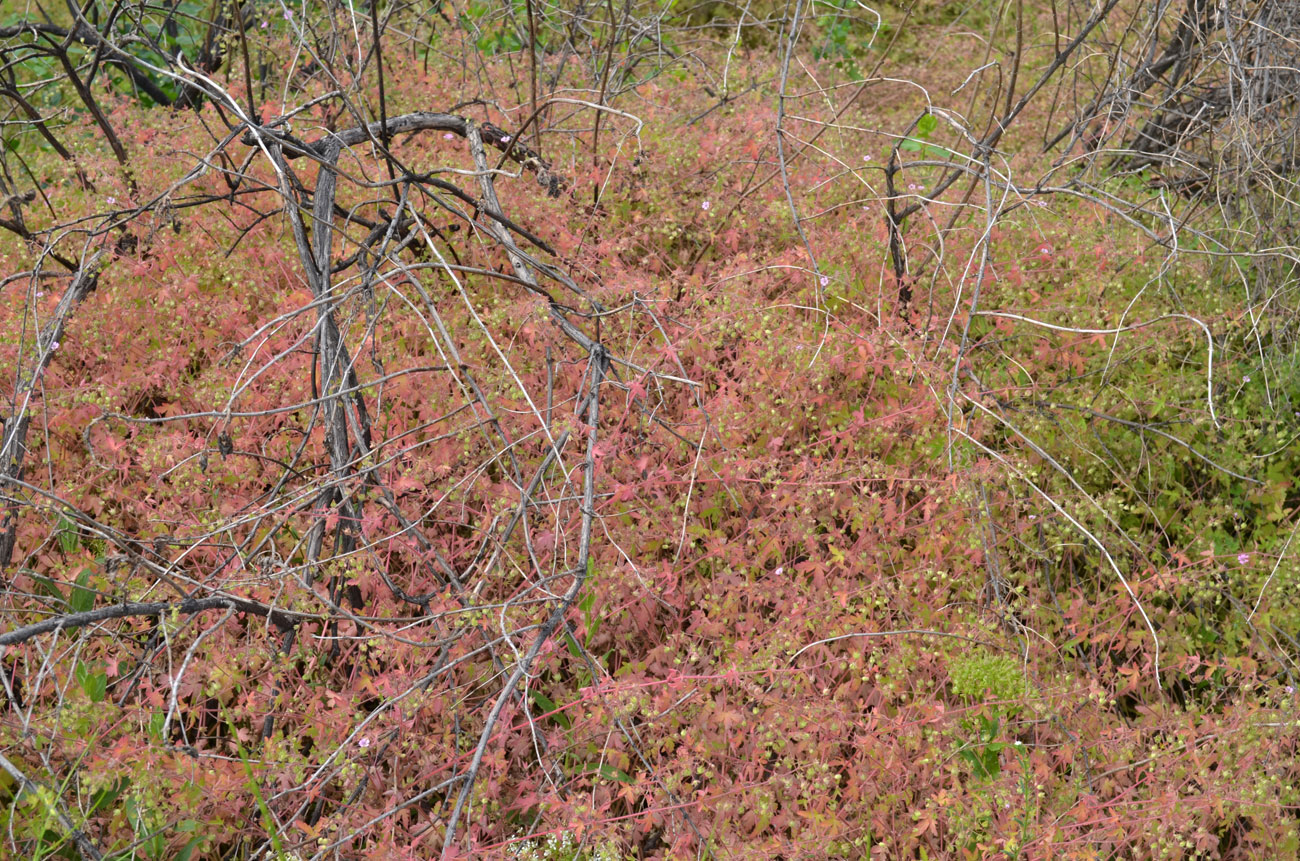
x=520, y=429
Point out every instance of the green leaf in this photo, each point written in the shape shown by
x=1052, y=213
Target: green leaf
x=609, y=772
x=574, y=648
x=985, y=764
x=51, y=587
x=548, y=705
x=83, y=597
x=589, y=617
x=95, y=685
x=69, y=541
x=927, y=149
x=926, y=125
x=188, y=850
x=155, y=846
x=106, y=796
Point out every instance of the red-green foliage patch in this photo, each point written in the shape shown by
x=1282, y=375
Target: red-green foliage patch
x=858, y=577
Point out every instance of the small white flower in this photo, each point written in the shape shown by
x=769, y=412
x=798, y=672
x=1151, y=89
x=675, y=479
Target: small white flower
x=365, y=742
x=780, y=569
x=705, y=206
x=54, y=345
x=505, y=139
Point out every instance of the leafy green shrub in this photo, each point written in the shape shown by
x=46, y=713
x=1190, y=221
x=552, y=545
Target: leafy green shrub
x=997, y=675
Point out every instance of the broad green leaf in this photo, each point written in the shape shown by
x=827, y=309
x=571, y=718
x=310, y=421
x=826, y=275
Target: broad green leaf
x=187, y=851
x=609, y=772
x=94, y=684
x=548, y=705
x=82, y=599
x=69, y=541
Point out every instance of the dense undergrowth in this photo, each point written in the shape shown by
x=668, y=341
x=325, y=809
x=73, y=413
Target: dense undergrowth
x=949, y=578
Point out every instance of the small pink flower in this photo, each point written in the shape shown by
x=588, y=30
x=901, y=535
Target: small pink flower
x=365, y=742
x=448, y=136
x=40, y=293
x=265, y=25
x=1243, y=558
x=1246, y=378
x=1289, y=689
x=911, y=186
x=54, y=345
x=505, y=139
x=780, y=569
x=866, y=158
x=825, y=280
x=1045, y=250
x=705, y=206
x=288, y=14
x=110, y=200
